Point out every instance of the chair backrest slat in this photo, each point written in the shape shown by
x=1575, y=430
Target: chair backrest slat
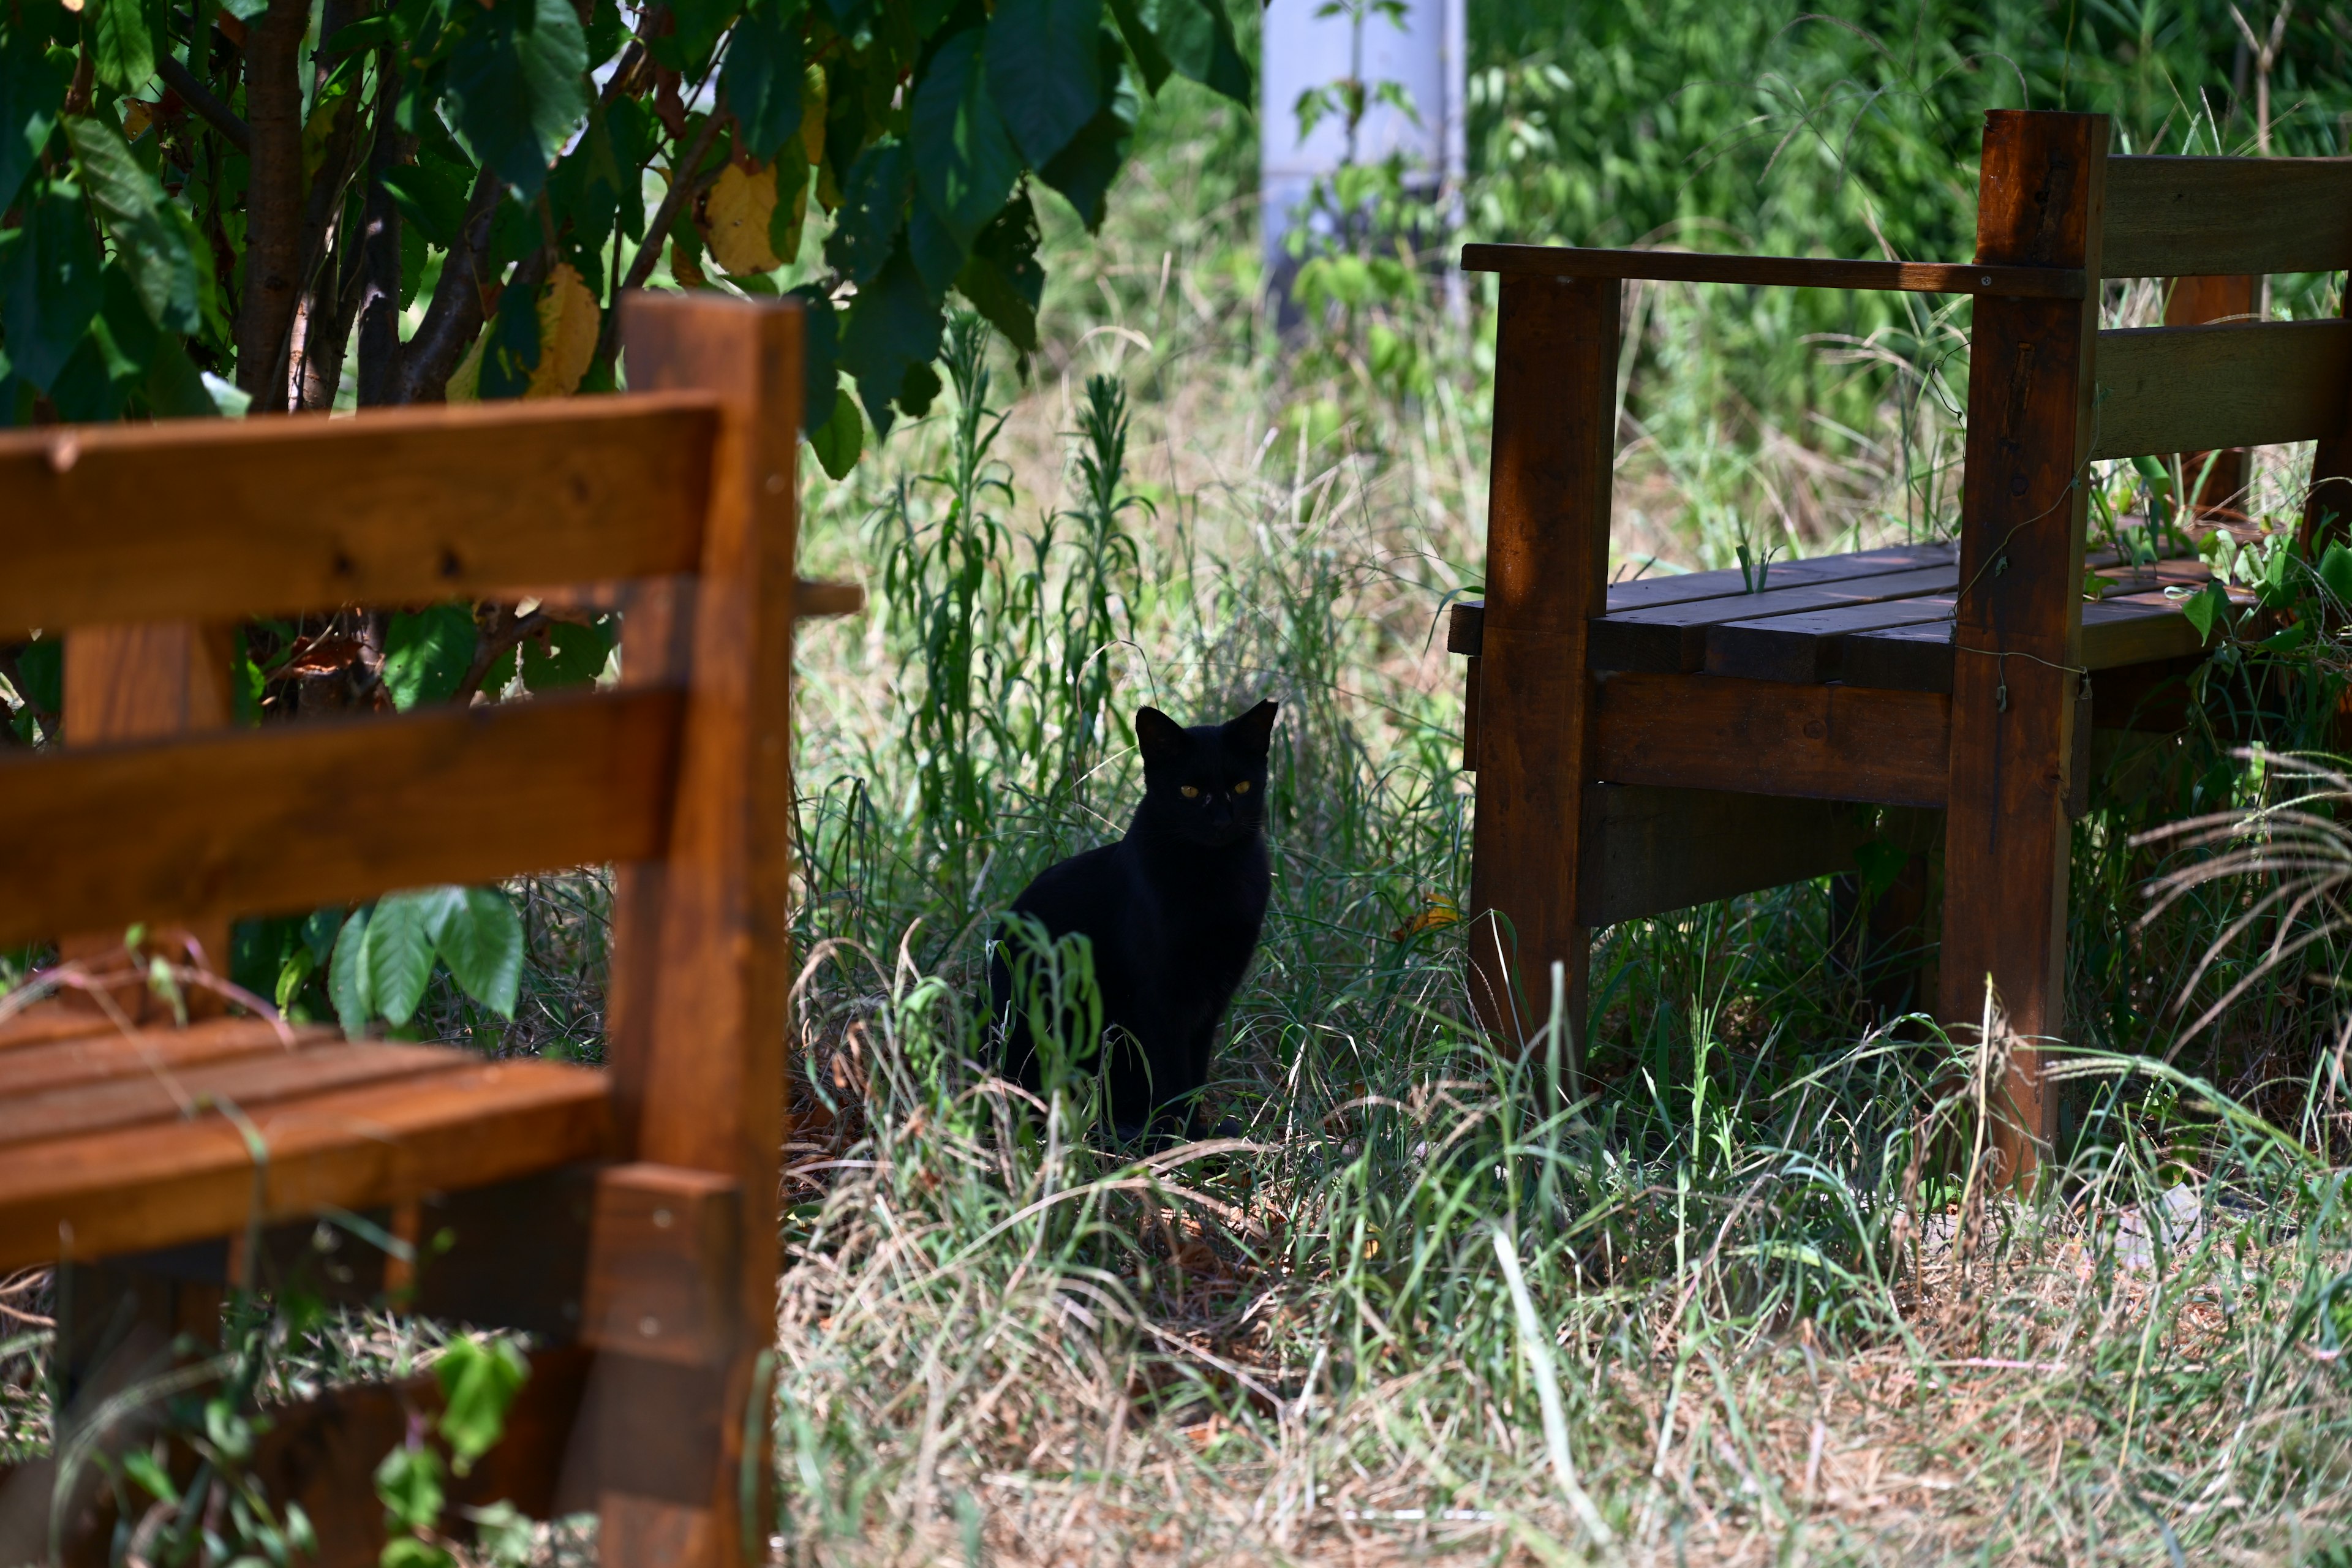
x=2168, y=218
x=298, y=816
x=302, y=514
x=2186, y=389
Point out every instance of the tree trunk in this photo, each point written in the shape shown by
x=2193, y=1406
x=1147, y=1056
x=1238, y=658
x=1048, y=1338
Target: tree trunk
x=380, y=344
x=273, y=254
x=454, y=319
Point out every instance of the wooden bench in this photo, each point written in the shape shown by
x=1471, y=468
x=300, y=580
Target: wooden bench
x=627, y=1216
x=1645, y=745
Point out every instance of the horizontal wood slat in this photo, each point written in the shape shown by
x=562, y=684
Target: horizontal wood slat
x=1762, y=737
x=2116, y=633
x=101, y=1053
x=2168, y=218
x=2191, y=389
x=430, y=503
x=192, y=1090
x=1648, y=851
x=176, y=1182
x=287, y=818
x=1792, y=272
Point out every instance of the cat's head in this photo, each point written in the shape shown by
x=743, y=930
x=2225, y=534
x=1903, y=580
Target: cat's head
x=1206, y=785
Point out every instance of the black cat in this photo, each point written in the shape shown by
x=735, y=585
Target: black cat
x=1172, y=910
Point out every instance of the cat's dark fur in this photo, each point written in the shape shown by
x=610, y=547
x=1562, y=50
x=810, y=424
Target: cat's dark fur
x=1172, y=910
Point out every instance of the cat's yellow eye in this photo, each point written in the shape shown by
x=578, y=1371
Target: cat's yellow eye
x=1242, y=788
x=1189, y=792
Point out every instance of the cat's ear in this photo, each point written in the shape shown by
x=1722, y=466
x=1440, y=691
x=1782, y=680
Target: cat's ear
x=1253, y=730
x=1161, y=738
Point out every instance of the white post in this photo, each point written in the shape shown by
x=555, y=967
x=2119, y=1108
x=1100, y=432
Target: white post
x=1423, y=51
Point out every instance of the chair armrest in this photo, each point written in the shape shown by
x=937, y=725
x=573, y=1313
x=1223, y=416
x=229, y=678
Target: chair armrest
x=1793, y=271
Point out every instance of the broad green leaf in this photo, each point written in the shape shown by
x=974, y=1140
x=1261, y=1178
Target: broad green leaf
x=172, y=269
x=319, y=928
x=349, y=982
x=504, y=1534
x=874, y=200
x=1880, y=861
x=1002, y=275
x=936, y=255
x=819, y=339
x=573, y=654
x=1197, y=37
x=1150, y=58
x=366, y=33
x=430, y=193
x=175, y=387
x=409, y=1551
x=1045, y=70
x=2335, y=571
x=761, y=79
x=121, y=47
x=402, y=936
x=49, y=287
x=408, y=1484
x=686, y=46
x=841, y=438
x=479, y=1383
x=2204, y=607
x=1084, y=170
x=965, y=162
x=517, y=77
x=31, y=91
x=510, y=352
x=481, y=942
x=427, y=654
x=893, y=327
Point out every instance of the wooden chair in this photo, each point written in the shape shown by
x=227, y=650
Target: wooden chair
x=627, y=1216
x=1647, y=745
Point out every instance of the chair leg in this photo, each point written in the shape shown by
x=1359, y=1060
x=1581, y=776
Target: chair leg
x=1547, y=577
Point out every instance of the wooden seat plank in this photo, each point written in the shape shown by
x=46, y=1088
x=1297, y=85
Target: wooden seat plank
x=193, y=1090
x=99, y=1051
x=1671, y=639
x=2128, y=630
x=434, y=503
x=1790, y=271
x=235, y=824
x=157, y=1185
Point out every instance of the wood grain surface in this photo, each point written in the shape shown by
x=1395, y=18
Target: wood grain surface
x=2170, y=217
x=1797, y=271
x=2178, y=389
x=1760, y=737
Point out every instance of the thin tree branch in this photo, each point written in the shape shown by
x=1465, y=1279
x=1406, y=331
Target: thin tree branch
x=209, y=105
x=273, y=256
x=454, y=316
x=380, y=345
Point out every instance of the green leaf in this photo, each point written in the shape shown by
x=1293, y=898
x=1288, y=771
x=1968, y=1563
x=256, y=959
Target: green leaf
x=1045, y=70
x=121, y=47
x=965, y=162
x=820, y=343
x=841, y=438
x=936, y=255
x=167, y=262
x=573, y=654
x=141, y=1467
x=1084, y=170
x=479, y=1383
x=503, y=1533
x=366, y=33
x=408, y=1484
x=481, y=942
x=31, y=94
x=49, y=287
x=873, y=201
x=319, y=928
x=427, y=654
x=402, y=936
x=1197, y=37
x=2205, y=606
x=350, y=982
x=175, y=387
x=1880, y=861
x=408, y=1551
x=1001, y=277
x=1150, y=58
x=513, y=352
x=762, y=79
x=2336, y=572
x=893, y=327
x=430, y=193
x=519, y=80
x=686, y=46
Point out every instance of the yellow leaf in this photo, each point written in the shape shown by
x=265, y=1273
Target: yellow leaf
x=812, y=113
x=568, y=325
x=1437, y=912
x=684, y=271
x=466, y=381
x=318, y=128
x=136, y=118
x=735, y=220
